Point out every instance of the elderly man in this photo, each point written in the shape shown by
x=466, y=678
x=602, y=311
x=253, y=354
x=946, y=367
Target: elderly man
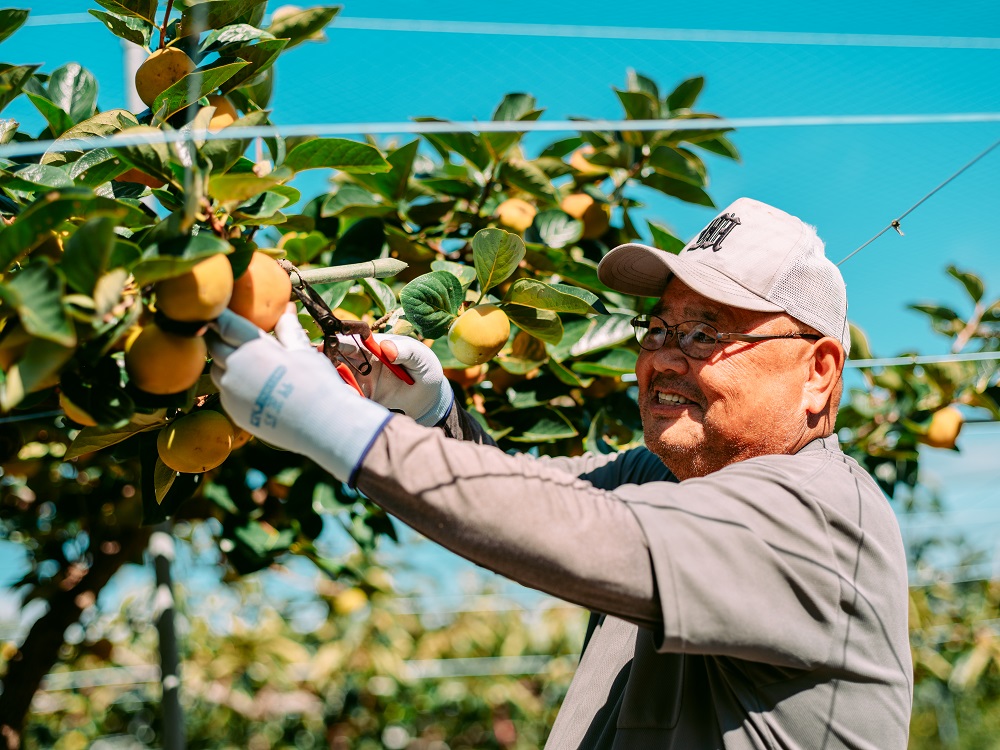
x=750, y=577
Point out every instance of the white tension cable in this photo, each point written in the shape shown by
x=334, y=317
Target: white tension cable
x=630, y=33
x=487, y=126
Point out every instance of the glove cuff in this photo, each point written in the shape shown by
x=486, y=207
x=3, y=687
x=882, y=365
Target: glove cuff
x=445, y=399
x=340, y=444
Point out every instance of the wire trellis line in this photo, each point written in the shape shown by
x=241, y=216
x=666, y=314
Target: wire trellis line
x=921, y=359
x=895, y=223
x=630, y=33
x=123, y=138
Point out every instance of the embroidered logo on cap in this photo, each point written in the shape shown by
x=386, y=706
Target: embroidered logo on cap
x=713, y=235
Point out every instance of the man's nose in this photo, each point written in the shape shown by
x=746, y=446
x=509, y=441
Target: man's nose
x=668, y=358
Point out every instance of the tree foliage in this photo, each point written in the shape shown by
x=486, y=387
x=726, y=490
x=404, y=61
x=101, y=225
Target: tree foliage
x=102, y=205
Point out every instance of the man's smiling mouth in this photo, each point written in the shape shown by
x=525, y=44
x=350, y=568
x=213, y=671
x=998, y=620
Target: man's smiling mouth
x=672, y=398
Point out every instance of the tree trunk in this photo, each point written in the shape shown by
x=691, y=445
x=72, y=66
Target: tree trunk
x=40, y=650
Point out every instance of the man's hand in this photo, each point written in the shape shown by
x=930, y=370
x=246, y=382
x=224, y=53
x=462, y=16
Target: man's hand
x=288, y=394
x=427, y=401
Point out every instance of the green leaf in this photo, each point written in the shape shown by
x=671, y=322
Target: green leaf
x=615, y=363
x=259, y=58
x=130, y=28
x=638, y=82
x=686, y=93
x=233, y=34
x=695, y=136
x=362, y=241
x=152, y=157
x=304, y=25
x=542, y=324
x=225, y=152
x=214, y=14
x=496, y=254
x=265, y=209
x=336, y=153
x=351, y=200
x=304, y=247
x=944, y=320
x=264, y=541
x=678, y=189
x=91, y=439
x=87, y=253
x=593, y=334
x=238, y=187
x=664, y=239
x=392, y=184
x=36, y=293
x=58, y=120
x=12, y=79
x=385, y=298
x=163, y=480
x=526, y=354
x=467, y=145
x=860, y=349
x=676, y=164
x=559, y=298
x=105, y=123
x=529, y=177
x=567, y=376
x=177, y=256
x=145, y=9
x=193, y=87
x=96, y=167
x=720, y=145
x=39, y=364
x=8, y=129
x=639, y=106
x=73, y=89
x=431, y=302
x=520, y=107
x=550, y=426
x=972, y=283
x=581, y=272
x=35, y=178
x=32, y=226
x=554, y=228
x=465, y=274
x=11, y=19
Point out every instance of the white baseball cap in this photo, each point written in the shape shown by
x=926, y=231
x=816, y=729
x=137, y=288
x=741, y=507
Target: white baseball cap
x=751, y=256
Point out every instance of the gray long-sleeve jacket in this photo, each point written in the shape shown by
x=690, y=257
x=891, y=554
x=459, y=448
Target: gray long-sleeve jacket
x=762, y=606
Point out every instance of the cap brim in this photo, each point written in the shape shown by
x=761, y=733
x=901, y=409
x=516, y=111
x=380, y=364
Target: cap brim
x=644, y=271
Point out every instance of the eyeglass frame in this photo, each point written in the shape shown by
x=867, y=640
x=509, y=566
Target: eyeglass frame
x=720, y=337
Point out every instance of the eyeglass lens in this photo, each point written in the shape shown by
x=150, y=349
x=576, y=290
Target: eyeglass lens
x=694, y=338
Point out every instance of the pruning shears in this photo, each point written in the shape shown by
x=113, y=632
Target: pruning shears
x=332, y=326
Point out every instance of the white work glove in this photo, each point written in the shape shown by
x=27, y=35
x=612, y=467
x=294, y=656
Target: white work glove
x=291, y=396
x=428, y=400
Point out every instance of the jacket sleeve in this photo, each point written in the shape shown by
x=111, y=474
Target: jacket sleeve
x=530, y=520
x=606, y=470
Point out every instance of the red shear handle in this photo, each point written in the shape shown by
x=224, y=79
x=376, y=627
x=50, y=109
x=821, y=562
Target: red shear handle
x=372, y=345
x=348, y=377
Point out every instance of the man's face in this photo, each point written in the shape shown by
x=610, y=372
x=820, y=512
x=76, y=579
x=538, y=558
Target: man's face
x=743, y=401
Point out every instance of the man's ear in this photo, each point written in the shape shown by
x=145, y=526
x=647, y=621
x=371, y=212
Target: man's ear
x=822, y=383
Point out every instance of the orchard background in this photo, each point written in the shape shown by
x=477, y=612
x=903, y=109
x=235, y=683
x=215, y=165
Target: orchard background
x=109, y=214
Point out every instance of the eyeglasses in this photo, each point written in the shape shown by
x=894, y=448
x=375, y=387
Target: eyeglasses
x=696, y=339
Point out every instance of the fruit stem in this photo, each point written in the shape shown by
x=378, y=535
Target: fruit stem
x=478, y=205
x=218, y=226
x=616, y=193
x=163, y=28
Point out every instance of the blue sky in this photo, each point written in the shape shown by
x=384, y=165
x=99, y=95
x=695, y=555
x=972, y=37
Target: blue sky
x=848, y=181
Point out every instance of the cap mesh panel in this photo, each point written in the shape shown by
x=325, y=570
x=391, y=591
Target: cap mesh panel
x=809, y=290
